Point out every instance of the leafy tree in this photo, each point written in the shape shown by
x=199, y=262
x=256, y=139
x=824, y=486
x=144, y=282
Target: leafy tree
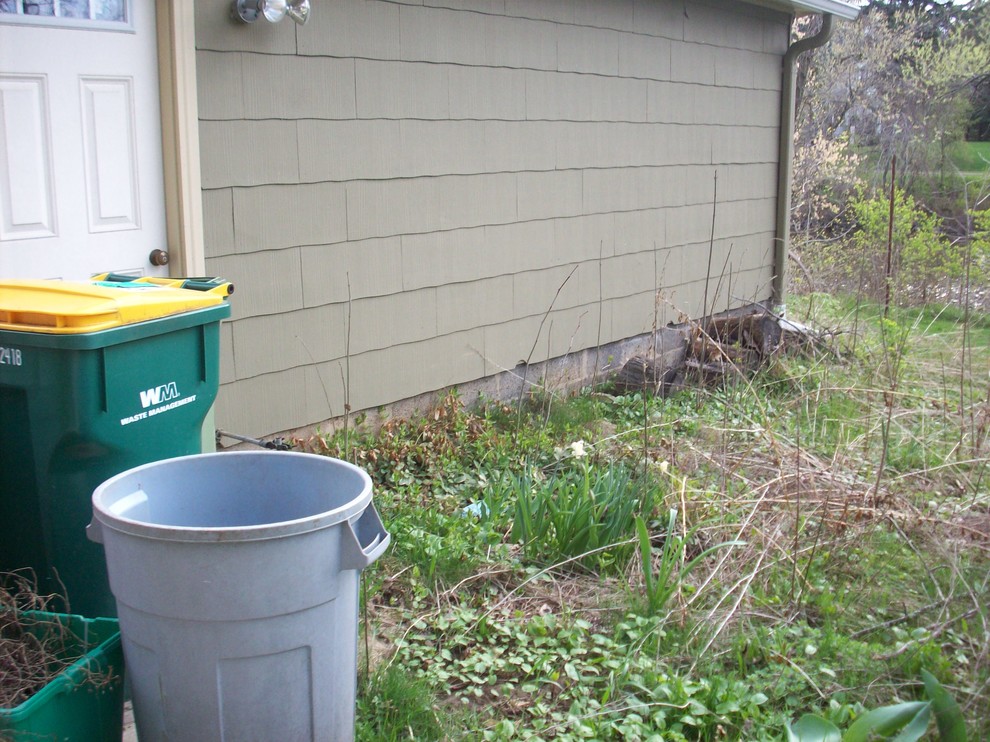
x=922, y=258
x=947, y=69
x=924, y=263
x=824, y=175
x=978, y=29
x=979, y=247
x=930, y=19
x=899, y=81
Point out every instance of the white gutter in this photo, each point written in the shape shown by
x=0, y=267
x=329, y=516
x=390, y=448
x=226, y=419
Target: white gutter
x=838, y=8
x=844, y=9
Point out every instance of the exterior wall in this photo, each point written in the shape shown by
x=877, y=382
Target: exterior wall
x=400, y=191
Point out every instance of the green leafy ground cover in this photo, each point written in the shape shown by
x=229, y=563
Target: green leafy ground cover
x=713, y=565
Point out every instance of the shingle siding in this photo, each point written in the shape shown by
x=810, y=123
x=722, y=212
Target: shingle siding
x=425, y=177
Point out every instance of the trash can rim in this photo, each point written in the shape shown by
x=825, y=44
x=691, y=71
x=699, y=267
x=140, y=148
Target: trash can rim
x=349, y=511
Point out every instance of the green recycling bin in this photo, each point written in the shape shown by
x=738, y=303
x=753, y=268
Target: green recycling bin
x=95, y=378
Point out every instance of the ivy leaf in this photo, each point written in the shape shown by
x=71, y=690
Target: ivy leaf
x=727, y=707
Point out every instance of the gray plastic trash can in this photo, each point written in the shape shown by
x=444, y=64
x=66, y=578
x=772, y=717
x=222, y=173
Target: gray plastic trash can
x=236, y=580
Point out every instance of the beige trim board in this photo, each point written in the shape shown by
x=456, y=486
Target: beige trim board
x=180, y=136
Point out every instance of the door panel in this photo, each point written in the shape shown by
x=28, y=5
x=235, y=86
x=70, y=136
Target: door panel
x=81, y=188
x=27, y=198
x=111, y=162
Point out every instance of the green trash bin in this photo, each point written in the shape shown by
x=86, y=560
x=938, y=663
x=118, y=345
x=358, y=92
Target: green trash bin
x=95, y=378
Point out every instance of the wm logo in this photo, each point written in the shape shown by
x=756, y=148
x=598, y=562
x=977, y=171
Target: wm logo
x=159, y=394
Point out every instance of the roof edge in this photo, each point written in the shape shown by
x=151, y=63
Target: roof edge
x=844, y=9
x=838, y=8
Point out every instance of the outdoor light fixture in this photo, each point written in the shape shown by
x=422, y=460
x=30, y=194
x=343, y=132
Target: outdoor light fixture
x=271, y=10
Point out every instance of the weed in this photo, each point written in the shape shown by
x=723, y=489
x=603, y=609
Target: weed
x=393, y=707
x=551, y=676
x=579, y=509
x=710, y=565
x=908, y=720
x=666, y=579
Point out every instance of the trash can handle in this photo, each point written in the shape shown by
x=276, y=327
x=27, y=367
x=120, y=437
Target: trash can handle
x=363, y=540
x=94, y=531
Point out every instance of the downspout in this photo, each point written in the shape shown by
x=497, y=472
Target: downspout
x=785, y=169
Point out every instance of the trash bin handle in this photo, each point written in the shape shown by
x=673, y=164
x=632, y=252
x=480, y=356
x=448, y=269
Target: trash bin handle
x=363, y=540
x=94, y=531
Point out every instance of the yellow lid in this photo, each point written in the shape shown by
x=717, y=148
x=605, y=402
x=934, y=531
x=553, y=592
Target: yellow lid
x=70, y=307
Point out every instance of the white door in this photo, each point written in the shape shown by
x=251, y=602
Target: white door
x=81, y=187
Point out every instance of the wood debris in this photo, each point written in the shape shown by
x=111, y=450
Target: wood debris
x=715, y=348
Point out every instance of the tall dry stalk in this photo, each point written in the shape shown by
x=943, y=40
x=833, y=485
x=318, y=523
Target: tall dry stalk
x=653, y=355
x=598, y=336
x=347, y=380
x=711, y=243
x=797, y=511
x=890, y=237
x=529, y=356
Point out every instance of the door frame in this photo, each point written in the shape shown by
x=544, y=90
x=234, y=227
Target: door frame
x=176, y=30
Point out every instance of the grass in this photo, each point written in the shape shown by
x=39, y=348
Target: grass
x=713, y=565
x=971, y=157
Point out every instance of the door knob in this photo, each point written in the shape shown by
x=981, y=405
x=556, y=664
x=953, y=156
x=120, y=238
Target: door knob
x=158, y=257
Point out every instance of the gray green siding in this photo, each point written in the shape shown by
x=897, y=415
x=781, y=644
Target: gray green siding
x=426, y=175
